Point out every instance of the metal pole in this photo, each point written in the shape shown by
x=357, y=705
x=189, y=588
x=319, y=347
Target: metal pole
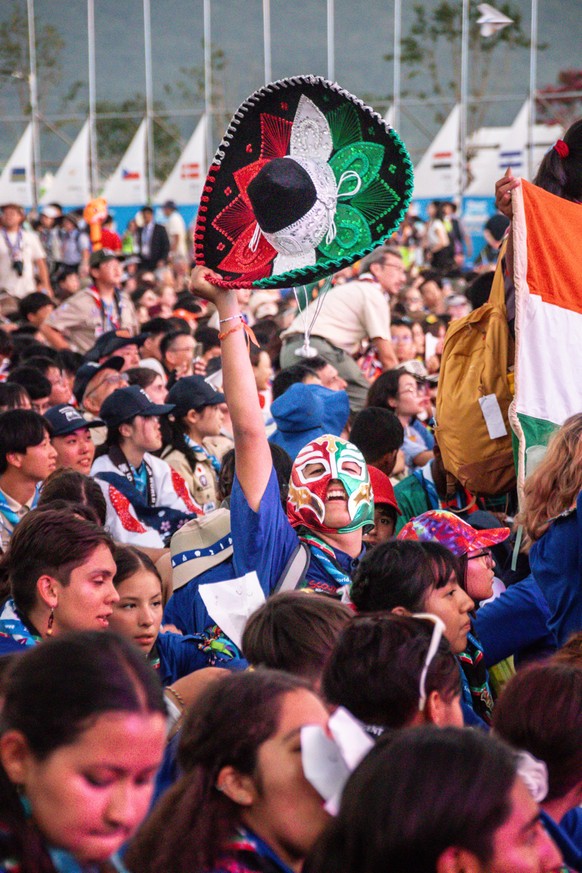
x=208, y=81
x=267, y=40
x=147, y=34
x=330, y=40
x=464, y=99
x=533, y=63
x=93, y=159
x=397, y=62
x=32, y=83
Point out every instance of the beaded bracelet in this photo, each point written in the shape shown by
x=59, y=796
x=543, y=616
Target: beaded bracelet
x=230, y=318
x=177, y=695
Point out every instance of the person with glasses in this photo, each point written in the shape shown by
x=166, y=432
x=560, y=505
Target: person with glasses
x=351, y=313
x=398, y=391
x=93, y=384
x=403, y=340
x=394, y=671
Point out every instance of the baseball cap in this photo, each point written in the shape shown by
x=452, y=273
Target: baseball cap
x=193, y=392
x=382, y=488
x=102, y=255
x=125, y=403
x=446, y=528
x=65, y=419
x=169, y=204
x=86, y=372
x=109, y=342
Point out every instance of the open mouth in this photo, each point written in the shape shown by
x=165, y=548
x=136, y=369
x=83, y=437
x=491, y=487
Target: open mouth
x=104, y=619
x=336, y=492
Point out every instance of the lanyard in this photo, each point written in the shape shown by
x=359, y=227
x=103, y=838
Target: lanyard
x=115, y=323
x=10, y=514
x=117, y=457
x=16, y=249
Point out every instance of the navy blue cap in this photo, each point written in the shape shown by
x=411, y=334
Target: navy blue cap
x=86, y=372
x=125, y=403
x=108, y=343
x=65, y=419
x=193, y=392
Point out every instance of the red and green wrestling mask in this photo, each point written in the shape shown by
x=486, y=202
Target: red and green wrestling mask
x=330, y=470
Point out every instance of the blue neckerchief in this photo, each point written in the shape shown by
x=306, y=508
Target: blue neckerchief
x=429, y=489
x=11, y=625
x=164, y=519
x=326, y=556
x=466, y=693
x=246, y=840
x=9, y=514
x=198, y=448
x=140, y=478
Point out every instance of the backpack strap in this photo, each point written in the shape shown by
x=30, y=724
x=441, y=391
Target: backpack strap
x=295, y=569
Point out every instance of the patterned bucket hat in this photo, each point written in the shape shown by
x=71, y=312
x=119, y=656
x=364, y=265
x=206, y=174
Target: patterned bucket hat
x=449, y=530
x=307, y=180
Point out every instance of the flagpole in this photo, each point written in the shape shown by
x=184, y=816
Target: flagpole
x=32, y=83
x=397, y=63
x=533, y=63
x=330, y=40
x=267, y=39
x=93, y=163
x=464, y=99
x=147, y=36
x=208, y=80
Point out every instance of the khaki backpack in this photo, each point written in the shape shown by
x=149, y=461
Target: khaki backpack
x=477, y=353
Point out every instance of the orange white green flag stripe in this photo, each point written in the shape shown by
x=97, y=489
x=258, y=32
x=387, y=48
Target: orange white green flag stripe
x=547, y=242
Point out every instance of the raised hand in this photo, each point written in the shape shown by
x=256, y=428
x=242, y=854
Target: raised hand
x=503, y=189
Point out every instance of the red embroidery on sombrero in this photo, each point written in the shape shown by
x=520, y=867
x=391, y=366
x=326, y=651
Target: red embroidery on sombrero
x=241, y=259
x=182, y=491
x=121, y=505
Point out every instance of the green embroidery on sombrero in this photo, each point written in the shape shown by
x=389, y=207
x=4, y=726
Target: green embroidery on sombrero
x=375, y=201
x=363, y=158
x=344, y=125
x=353, y=233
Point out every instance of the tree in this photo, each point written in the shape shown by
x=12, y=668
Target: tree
x=431, y=55
x=561, y=103
x=15, y=61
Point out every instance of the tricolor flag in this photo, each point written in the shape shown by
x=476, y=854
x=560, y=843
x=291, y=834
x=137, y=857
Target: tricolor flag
x=128, y=175
x=442, y=160
x=18, y=174
x=548, y=326
x=190, y=171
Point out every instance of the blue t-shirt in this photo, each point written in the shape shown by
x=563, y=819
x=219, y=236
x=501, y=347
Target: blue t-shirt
x=556, y=563
x=186, y=610
x=180, y=655
x=417, y=439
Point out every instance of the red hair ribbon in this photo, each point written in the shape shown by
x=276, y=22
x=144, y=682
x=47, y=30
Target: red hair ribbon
x=562, y=148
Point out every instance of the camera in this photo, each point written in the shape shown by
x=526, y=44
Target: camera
x=18, y=267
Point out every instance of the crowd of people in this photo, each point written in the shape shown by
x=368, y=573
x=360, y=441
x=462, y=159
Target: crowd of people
x=403, y=688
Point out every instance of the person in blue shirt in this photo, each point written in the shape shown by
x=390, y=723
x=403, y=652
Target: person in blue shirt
x=330, y=498
x=137, y=615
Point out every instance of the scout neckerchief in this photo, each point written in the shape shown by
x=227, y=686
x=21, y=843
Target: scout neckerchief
x=117, y=457
x=107, y=311
x=196, y=447
x=12, y=625
x=246, y=841
x=326, y=557
x=474, y=681
x=10, y=514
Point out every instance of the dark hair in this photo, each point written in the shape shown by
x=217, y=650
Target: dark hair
x=12, y=396
x=402, y=573
x=32, y=303
x=19, y=430
x=375, y=667
x=479, y=290
x=36, y=384
x=130, y=560
x=142, y=376
x=43, y=364
x=53, y=692
x=376, y=431
x=571, y=651
x=539, y=711
x=563, y=176
x=5, y=344
x=439, y=208
x=169, y=338
x=414, y=796
x=208, y=337
x=70, y=361
x=156, y=325
x=37, y=350
x=83, y=510
x=255, y=353
x=74, y=487
x=295, y=632
x=289, y=376
x=53, y=543
x=384, y=387
x=231, y=720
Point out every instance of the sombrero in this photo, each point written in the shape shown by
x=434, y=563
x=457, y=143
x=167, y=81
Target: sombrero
x=307, y=180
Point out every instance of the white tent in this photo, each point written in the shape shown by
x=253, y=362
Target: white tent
x=185, y=182
x=514, y=149
x=17, y=175
x=71, y=185
x=483, y=168
x=437, y=174
x=127, y=185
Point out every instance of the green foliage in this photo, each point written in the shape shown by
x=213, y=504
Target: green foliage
x=15, y=61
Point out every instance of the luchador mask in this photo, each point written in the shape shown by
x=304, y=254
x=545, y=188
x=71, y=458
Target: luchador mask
x=318, y=463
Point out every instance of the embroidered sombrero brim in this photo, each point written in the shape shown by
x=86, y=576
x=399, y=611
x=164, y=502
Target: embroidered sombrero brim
x=307, y=180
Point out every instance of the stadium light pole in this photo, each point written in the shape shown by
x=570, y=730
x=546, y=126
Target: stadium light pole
x=33, y=87
x=147, y=30
x=94, y=165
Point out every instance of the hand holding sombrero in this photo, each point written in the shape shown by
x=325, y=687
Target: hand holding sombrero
x=307, y=180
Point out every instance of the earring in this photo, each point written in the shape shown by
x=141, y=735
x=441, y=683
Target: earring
x=51, y=621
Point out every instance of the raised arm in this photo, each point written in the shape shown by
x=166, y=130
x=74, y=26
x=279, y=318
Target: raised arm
x=253, y=456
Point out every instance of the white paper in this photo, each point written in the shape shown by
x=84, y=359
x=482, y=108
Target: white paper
x=230, y=603
x=492, y=415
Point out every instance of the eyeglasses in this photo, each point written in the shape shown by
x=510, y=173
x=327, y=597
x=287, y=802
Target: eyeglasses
x=405, y=340
x=114, y=379
x=408, y=390
x=437, y=635
x=484, y=553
